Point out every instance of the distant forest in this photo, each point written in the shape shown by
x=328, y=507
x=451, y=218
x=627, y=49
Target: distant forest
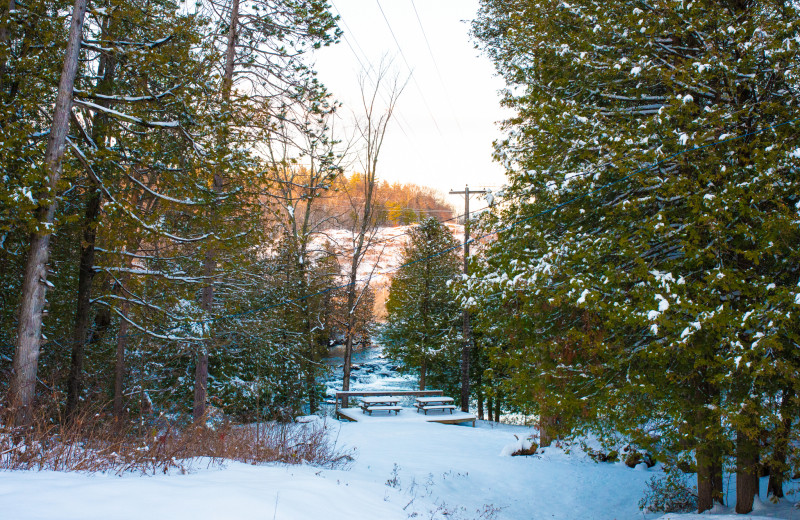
x=399, y=203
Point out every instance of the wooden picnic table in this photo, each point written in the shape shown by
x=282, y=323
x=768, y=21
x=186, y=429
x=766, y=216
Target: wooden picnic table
x=380, y=403
x=343, y=395
x=434, y=403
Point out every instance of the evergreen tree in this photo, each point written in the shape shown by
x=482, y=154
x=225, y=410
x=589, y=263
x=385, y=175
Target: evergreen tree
x=422, y=324
x=666, y=298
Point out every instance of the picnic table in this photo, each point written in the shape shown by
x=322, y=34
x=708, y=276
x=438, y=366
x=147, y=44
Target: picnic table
x=434, y=403
x=386, y=403
x=343, y=395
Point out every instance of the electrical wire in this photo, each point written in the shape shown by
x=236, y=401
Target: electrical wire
x=411, y=70
x=436, y=66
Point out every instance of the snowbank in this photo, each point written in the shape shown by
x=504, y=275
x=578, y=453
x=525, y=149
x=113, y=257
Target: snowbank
x=402, y=469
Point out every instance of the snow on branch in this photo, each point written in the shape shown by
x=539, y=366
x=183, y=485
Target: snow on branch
x=126, y=117
x=153, y=334
x=125, y=99
x=161, y=274
x=153, y=229
x=187, y=202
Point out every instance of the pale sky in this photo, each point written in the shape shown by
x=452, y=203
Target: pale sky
x=446, y=116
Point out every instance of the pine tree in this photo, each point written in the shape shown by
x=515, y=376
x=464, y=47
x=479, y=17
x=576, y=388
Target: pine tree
x=422, y=323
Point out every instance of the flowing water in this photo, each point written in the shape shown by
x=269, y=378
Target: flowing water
x=372, y=370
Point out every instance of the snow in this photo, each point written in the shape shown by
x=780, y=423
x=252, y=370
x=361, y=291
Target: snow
x=402, y=469
x=515, y=447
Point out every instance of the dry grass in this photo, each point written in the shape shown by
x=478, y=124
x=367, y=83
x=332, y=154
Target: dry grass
x=91, y=443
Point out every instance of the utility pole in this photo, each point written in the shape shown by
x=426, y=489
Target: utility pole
x=467, y=330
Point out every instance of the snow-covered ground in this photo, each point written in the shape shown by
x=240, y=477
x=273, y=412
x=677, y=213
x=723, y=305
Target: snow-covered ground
x=401, y=470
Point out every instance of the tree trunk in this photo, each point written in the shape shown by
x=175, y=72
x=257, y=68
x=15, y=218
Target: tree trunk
x=210, y=261
x=479, y=392
x=778, y=466
x=717, y=491
x=311, y=382
x=490, y=408
x=200, y=385
x=311, y=387
x=5, y=15
x=348, y=361
x=423, y=372
x=465, y=357
x=497, y=402
x=22, y=386
x=106, y=71
x=83, y=308
x=746, y=472
x=547, y=428
x=705, y=484
x=707, y=452
x=119, y=366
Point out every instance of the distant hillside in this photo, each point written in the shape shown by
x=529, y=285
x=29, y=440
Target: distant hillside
x=382, y=259
x=401, y=204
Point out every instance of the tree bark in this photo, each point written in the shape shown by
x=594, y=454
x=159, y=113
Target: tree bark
x=119, y=366
x=5, y=16
x=83, y=308
x=200, y=385
x=746, y=472
x=210, y=261
x=348, y=361
x=717, y=491
x=547, y=428
x=705, y=485
x=34, y=286
x=465, y=357
x=423, y=372
x=479, y=391
x=106, y=71
x=778, y=466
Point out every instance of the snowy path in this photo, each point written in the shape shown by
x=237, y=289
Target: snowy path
x=402, y=470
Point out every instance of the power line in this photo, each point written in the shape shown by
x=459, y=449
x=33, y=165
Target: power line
x=436, y=66
x=399, y=119
x=411, y=70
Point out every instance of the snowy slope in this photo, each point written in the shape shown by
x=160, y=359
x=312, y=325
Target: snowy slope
x=402, y=470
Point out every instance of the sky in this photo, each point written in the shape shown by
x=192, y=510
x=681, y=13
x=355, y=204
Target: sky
x=446, y=116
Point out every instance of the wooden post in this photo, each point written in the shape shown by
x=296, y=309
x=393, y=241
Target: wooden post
x=466, y=327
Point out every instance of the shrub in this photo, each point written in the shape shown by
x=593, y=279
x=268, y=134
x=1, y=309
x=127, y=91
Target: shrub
x=95, y=444
x=670, y=493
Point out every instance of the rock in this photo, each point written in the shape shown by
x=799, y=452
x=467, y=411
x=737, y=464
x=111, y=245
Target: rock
x=635, y=458
x=531, y=450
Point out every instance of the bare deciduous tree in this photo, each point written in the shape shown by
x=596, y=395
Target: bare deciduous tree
x=366, y=219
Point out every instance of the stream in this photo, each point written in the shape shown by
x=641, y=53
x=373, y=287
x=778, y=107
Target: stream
x=372, y=370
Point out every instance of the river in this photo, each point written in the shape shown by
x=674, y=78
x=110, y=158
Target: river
x=372, y=370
